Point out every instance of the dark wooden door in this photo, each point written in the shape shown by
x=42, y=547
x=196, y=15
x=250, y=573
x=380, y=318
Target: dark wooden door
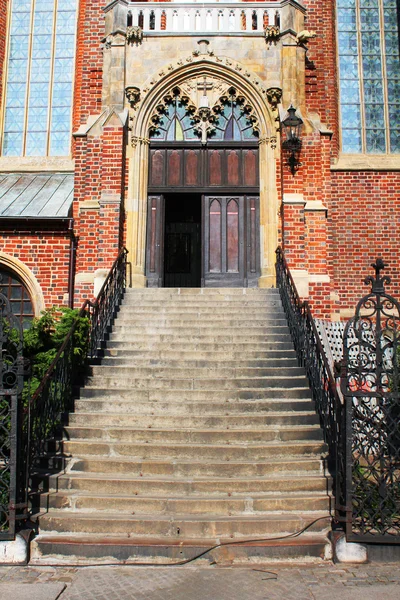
x=155, y=241
x=223, y=241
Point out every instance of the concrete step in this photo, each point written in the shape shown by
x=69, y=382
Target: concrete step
x=226, y=352
x=300, y=466
x=126, y=504
x=83, y=549
x=206, y=383
x=251, y=451
x=186, y=526
x=151, y=361
x=213, y=336
x=199, y=350
x=113, y=404
x=228, y=422
x=198, y=436
x=206, y=371
x=203, y=326
x=214, y=314
x=166, y=487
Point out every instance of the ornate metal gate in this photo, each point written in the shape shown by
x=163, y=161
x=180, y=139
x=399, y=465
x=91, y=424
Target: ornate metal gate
x=11, y=384
x=370, y=387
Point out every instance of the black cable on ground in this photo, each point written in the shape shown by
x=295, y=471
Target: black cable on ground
x=189, y=560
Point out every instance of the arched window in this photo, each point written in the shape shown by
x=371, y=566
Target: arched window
x=234, y=122
x=231, y=119
x=175, y=123
x=13, y=288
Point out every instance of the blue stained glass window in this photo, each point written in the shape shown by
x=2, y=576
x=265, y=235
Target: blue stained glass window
x=40, y=78
x=369, y=70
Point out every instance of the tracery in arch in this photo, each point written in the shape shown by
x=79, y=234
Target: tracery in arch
x=177, y=118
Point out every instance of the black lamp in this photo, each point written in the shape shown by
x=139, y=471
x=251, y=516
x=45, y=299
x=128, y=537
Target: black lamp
x=292, y=127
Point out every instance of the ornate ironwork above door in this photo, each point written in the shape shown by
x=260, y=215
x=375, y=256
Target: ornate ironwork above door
x=370, y=386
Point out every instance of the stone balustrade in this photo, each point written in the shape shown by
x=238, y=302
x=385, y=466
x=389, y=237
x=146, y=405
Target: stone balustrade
x=206, y=17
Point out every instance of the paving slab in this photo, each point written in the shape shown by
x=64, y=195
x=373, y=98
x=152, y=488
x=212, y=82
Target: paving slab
x=184, y=584
x=365, y=592
x=25, y=591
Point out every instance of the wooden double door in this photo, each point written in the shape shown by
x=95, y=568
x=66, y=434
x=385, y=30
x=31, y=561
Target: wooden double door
x=202, y=240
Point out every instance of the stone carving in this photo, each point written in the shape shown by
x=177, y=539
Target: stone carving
x=304, y=36
x=272, y=33
x=135, y=140
x=107, y=42
x=272, y=141
x=205, y=123
x=133, y=95
x=274, y=96
x=134, y=35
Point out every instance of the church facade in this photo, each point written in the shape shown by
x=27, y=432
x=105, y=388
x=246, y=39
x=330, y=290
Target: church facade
x=200, y=136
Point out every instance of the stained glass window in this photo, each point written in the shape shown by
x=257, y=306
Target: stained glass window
x=369, y=69
x=177, y=121
x=40, y=78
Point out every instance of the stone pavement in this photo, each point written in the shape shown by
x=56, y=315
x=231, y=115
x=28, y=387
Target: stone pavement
x=274, y=582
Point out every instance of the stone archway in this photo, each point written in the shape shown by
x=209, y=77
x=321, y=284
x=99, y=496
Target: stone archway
x=143, y=107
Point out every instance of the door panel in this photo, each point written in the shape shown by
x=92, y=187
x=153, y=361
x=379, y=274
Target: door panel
x=155, y=241
x=223, y=241
x=252, y=240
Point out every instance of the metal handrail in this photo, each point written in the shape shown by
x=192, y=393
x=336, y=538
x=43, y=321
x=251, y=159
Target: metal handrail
x=310, y=353
x=54, y=396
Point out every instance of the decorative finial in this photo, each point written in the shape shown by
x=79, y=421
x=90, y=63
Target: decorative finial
x=378, y=282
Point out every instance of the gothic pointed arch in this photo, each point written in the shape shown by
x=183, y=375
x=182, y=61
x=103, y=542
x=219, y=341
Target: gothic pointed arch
x=228, y=75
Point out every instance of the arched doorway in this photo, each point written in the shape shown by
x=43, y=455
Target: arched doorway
x=184, y=74
x=203, y=203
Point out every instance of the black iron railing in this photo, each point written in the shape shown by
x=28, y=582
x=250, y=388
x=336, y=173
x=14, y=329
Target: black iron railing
x=11, y=384
x=54, y=397
x=311, y=355
x=370, y=383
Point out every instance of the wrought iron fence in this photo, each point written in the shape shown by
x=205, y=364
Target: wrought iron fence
x=311, y=355
x=371, y=388
x=54, y=397
x=12, y=498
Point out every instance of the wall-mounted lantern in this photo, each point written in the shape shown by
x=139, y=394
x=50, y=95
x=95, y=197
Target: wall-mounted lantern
x=291, y=127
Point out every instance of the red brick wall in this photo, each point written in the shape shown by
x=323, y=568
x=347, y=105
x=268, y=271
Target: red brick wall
x=365, y=224
x=45, y=251
x=89, y=61
x=321, y=69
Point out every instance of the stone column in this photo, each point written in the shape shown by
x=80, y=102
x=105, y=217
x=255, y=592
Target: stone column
x=269, y=211
x=136, y=210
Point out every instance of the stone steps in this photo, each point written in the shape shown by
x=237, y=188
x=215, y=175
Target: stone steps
x=186, y=526
x=301, y=466
x=125, y=504
x=198, y=427
x=154, y=450
x=199, y=436
x=194, y=487
x=193, y=422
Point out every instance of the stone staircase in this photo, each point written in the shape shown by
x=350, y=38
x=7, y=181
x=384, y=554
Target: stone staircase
x=198, y=428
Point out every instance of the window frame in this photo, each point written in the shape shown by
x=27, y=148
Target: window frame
x=50, y=107
x=361, y=85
